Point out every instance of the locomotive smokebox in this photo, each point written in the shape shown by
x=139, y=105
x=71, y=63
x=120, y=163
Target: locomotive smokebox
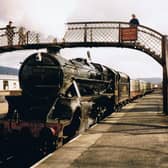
x=41, y=75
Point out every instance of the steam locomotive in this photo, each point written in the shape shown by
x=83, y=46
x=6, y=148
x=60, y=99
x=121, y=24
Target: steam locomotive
x=61, y=98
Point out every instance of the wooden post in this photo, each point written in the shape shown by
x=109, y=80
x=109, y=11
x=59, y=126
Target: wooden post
x=165, y=73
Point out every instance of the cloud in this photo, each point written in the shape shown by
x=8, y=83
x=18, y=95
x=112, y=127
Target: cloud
x=49, y=16
x=151, y=13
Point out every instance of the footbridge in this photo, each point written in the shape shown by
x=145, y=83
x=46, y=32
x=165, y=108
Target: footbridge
x=97, y=34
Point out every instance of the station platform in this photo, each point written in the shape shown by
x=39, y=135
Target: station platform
x=4, y=103
x=3, y=108
x=136, y=137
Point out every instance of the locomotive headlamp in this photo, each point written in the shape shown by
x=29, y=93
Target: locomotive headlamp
x=38, y=57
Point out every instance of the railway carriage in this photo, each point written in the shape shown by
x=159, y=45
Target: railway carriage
x=134, y=89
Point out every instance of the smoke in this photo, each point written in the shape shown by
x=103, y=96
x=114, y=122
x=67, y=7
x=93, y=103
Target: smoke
x=50, y=16
x=11, y=10
x=46, y=16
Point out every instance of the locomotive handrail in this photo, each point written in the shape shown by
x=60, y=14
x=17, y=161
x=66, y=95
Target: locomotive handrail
x=90, y=80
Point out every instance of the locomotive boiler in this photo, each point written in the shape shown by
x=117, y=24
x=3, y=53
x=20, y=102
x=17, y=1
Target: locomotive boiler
x=47, y=79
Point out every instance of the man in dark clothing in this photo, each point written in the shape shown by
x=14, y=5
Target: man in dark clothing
x=10, y=33
x=134, y=21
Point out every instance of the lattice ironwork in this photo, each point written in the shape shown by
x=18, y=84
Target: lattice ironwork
x=91, y=32
x=148, y=40
x=19, y=36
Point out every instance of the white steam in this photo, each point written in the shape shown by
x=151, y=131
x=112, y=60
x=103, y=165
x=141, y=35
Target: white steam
x=46, y=16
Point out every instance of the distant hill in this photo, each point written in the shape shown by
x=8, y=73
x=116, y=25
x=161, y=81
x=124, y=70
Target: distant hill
x=8, y=71
x=152, y=80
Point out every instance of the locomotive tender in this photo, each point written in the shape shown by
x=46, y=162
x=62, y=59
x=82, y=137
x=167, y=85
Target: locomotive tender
x=61, y=98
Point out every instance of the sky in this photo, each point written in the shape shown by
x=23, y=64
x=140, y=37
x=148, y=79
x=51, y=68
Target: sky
x=49, y=17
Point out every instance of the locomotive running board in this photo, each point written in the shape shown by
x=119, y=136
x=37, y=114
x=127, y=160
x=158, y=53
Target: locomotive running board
x=91, y=80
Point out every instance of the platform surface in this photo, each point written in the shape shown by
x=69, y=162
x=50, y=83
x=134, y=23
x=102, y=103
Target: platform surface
x=3, y=107
x=136, y=137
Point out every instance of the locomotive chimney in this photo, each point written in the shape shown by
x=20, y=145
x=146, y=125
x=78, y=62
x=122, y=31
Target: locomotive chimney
x=53, y=50
x=38, y=57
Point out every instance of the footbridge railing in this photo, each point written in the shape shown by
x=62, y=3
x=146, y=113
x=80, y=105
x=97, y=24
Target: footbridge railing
x=87, y=34
x=19, y=38
x=117, y=34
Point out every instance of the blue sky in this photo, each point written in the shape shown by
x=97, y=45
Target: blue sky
x=50, y=16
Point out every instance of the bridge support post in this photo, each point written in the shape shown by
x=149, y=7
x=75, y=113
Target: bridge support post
x=165, y=73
